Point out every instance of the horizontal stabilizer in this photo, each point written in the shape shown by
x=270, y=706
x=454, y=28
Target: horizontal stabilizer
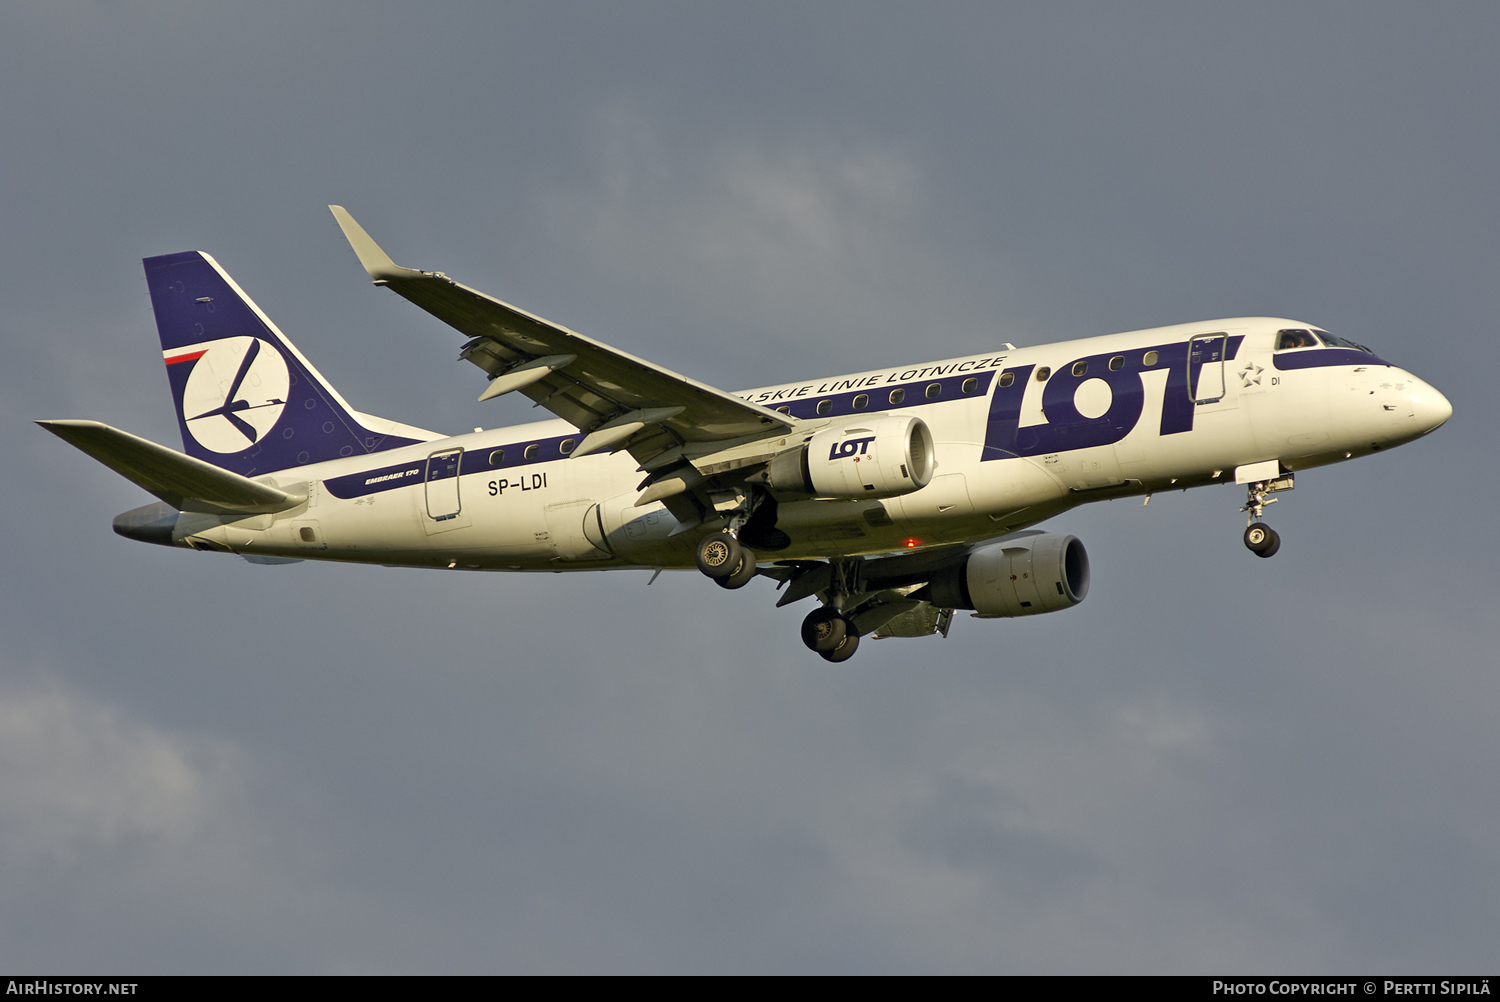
x=181, y=481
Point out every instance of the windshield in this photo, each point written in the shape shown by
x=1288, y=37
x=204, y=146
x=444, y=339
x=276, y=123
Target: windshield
x=1295, y=339
x=1334, y=341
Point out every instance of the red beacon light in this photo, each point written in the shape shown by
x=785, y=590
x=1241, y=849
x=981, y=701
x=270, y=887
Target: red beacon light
x=911, y=544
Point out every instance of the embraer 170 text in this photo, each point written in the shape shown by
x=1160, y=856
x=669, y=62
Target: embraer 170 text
x=895, y=496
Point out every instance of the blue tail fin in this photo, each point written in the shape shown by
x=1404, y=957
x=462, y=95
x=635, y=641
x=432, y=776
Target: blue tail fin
x=247, y=400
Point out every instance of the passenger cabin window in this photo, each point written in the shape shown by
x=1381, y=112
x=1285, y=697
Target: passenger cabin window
x=825, y=406
x=1295, y=339
x=1080, y=368
x=567, y=446
x=1007, y=378
x=897, y=396
x=1151, y=358
x=1043, y=373
x=1117, y=363
x=497, y=457
x=532, y=451
x=783, y=409
x=934, y=390
x=861, y=402
x=970, y=385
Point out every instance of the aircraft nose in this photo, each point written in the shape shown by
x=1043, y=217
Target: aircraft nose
x=1428, y=406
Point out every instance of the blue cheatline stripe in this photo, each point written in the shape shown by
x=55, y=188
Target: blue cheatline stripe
x=1317, y=358
x=912, y=394
x=480, y=460
x=549, y=450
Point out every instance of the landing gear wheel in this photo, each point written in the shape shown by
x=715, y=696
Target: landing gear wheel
x=824, y=629
x=844, y=651
x=743, y=574
x=719, y=555
x=1262, y=540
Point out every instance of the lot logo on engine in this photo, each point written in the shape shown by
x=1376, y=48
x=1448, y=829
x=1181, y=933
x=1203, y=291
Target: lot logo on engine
x=850, y=447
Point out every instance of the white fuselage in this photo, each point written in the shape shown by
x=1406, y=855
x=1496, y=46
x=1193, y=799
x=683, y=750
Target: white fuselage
x=1126, y=423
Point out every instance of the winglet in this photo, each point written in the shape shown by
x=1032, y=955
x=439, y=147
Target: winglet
x=376, y=261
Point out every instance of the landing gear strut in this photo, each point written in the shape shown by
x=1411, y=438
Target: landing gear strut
x=1260, y=538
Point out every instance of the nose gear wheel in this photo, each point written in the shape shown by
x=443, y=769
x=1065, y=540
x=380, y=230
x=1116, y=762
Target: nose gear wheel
x=1262, y=540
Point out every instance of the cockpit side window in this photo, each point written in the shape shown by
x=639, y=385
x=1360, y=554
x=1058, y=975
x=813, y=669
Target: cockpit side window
x=1295, y=339
x=1334, y=341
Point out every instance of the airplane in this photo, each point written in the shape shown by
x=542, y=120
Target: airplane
x=896, y=496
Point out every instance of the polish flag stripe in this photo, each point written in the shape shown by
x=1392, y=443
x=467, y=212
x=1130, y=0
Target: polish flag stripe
x=187, y=358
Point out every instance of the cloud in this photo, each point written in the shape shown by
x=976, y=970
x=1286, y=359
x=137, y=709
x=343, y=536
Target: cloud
x=812, y=244
x=146, y=844
x=78, y=775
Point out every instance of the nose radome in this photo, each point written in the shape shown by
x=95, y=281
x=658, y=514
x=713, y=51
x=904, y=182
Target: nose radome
x=1428, y=406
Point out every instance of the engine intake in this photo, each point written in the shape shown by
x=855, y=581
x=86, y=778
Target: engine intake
x=879, y=456
x=1019, y=576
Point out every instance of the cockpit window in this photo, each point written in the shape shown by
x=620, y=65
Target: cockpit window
x=1334, y=341
x=1295, y=339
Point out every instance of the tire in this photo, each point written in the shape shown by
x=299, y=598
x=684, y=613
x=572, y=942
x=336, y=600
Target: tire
x=718, y=555
x=1273, y=544
x=824, y=629
x=844, y=651
x=743, y=574
x=1259, y=538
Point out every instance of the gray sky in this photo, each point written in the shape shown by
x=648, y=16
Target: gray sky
x=1216, y=764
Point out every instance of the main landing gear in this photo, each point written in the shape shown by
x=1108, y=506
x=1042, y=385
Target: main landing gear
x=721, y=557
x=725, y=556
x=1260, y=538
x=826, y=631
x=729, y=561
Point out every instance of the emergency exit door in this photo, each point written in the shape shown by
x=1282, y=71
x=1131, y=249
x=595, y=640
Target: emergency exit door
x=442, y=485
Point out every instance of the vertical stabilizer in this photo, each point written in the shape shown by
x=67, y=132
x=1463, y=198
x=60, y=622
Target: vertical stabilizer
x=247, y=400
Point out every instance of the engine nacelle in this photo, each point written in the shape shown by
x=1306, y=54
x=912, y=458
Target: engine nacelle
x=1020, y=576
x=879, y=456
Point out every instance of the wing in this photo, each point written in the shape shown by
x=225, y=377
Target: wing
x=617, y=400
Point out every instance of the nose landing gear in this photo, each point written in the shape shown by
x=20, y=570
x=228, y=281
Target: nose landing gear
x=1260, y=538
